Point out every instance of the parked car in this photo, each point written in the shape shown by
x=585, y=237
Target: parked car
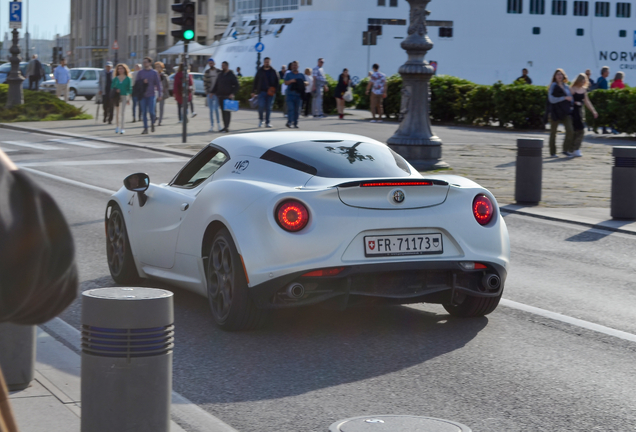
x=84, y=82
x=199, y=88
x=290, y=219
x=6, y=68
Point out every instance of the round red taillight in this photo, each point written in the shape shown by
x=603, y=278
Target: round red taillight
x=292, y=216
x=483, y=210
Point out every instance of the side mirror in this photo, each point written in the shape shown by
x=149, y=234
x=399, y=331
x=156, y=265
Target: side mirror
x=137, y=182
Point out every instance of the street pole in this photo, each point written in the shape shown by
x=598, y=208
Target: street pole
x=184, y=134
x=15, y=78
x=28, y=3
x=260, y=15
x=116, y=30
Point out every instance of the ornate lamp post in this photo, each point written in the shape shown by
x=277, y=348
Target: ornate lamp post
x=414, y=139
x=15, y=78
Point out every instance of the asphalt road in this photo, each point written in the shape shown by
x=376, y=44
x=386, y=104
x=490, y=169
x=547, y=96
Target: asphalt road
x=510, y=371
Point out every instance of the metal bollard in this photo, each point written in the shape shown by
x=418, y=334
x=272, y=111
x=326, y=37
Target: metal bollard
x=624, y=183
x=17, y=355
x=529, y=171
x=127, y=343
x=397, y=423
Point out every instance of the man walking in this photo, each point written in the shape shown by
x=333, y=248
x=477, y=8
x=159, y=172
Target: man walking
x=152, y=82
x=524, y=77
x=377, y=87
x=35, y=72
x=62, y=77
x=136, y=110
x=225, y=87
x=106, y=76
x=319, y=85
x=209, y=80
x=295, y=82
x=265, y=86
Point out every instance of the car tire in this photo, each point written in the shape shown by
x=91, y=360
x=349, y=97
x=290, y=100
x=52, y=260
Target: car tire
x=118, y=252
x=231, y=305
x=471, y=306
x=88, y=97
x=72, y=94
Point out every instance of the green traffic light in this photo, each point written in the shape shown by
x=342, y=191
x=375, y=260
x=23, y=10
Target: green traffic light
x=188, y=35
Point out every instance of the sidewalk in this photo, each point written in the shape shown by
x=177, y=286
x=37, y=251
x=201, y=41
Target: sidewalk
x=52, y=403
x=486, y=155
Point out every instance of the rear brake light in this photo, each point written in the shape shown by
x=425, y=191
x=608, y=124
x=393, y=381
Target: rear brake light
x=483, y=210
x=324, y=272
x=292, y=216
x=393, y=184
x=468, y=265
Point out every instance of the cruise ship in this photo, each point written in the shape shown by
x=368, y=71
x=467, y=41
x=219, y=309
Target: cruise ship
x=482, y=41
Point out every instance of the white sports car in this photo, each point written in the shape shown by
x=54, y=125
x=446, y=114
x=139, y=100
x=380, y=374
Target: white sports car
x=262, y=221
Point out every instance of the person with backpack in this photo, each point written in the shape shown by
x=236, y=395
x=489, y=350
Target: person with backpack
x=344, y=81
x=560, y=102
x=35, y=72
x=295, y=82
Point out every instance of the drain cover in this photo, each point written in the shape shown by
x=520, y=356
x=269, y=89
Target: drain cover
x=397, y=423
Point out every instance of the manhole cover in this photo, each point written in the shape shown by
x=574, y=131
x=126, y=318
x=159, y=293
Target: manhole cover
x=397, y=423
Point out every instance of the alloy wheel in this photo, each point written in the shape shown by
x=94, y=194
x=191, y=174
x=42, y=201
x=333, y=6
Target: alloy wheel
x=116, y=242
x=220, y=279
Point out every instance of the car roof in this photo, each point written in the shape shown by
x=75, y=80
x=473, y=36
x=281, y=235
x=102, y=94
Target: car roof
x=86, y=68
x=255, y=144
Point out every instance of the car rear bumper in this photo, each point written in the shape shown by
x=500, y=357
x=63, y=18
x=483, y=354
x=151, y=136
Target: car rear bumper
x=387, y=283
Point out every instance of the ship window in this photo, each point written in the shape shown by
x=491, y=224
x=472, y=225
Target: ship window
x=536, y=30
x=580, y=32
x=537, y=7
x=393, y=3
x=515, y=6
x=559, y=7
x=581, y=8
x=622, y=33
x=445, y=32
x=381, y=2
x=384, y=21
x=623, y=10
x=602, y=9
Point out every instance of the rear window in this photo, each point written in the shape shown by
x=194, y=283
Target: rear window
x=340, y=159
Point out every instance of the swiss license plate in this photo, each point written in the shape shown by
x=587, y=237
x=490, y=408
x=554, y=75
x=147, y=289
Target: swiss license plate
x=406, y=244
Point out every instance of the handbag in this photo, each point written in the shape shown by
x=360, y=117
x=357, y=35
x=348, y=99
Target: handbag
x=114, y=97
x=254, y=102
x=348, y=96
x=271, y=91
x=230, y=105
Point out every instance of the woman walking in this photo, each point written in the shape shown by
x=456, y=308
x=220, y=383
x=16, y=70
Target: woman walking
x=178, y=91
x=123, y=85
x=343, y=84
x=307, y=99
x=579, y=94
x=560, y=98
x=618, y=81
x=165, y=86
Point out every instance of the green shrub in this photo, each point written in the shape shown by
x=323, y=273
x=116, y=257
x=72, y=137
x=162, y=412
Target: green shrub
x=480, y=106
x=38, y=106
x=447, y=96
x=521, y=105
x=616, y=108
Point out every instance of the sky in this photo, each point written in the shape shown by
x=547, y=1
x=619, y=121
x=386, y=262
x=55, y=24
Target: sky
x=46, y=18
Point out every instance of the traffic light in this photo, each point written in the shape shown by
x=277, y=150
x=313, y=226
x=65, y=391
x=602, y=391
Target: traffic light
x=187, y=20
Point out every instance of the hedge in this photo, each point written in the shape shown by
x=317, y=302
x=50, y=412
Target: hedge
x=456, y=100
x=38, y=106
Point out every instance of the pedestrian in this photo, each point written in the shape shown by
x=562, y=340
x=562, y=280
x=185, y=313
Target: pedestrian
x=344, y=81
x=225, y=87
x=152, y=81
x=209, y=79
x=560, y=98
x=35, y=72
x=136, y=98
x=295, y=82
x=378, y=89
x=618, y=81
x=62, y=77
x=524, y=77
x=308, y=95
x=165, y=86
x=318, y=87
x=238, y=72
x=602, y=84
x=592, y=84
x=580, y=98
x=106, y=76
x=265, y=87
x=282, y=72
x=178, y=91
x=123, y=86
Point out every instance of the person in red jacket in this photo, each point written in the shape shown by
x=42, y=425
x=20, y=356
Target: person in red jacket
x=618, y=81
x=178, y=90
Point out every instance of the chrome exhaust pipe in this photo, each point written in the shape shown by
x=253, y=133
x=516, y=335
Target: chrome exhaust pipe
x=295, y=290
x=491, y=282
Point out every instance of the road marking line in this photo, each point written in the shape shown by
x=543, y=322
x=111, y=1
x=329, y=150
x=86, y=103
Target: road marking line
x=102, y=162
x=569, y=320
x=69, y=181
x=80, y=143
x=32, y=145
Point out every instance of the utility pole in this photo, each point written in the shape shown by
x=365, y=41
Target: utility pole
x=260, y=16
x=116, y=30
x=28, y=3
x=184, y=132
